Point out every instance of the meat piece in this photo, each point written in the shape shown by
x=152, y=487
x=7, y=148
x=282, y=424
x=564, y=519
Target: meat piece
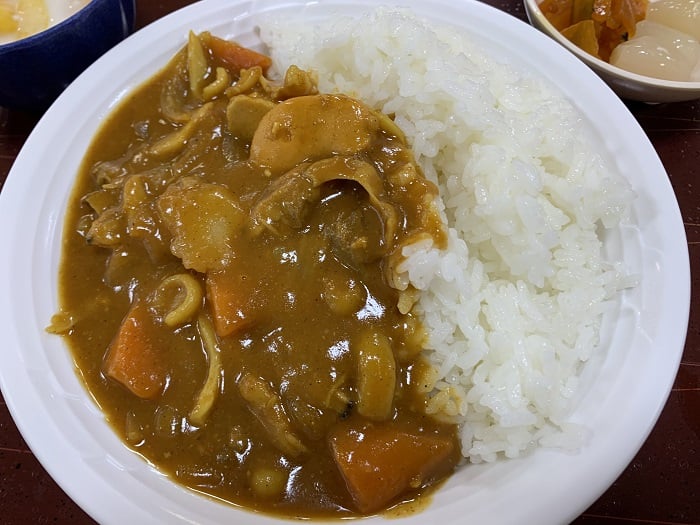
x=289, y=196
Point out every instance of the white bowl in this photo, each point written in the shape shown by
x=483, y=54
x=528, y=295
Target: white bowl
x=626, y=84
x=628, y=386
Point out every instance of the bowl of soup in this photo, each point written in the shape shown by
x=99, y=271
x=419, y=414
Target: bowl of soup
x=649, y=52
x=46, y=44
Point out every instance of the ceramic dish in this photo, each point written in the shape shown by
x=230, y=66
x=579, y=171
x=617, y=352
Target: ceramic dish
x=627, y=389
x=626, y=84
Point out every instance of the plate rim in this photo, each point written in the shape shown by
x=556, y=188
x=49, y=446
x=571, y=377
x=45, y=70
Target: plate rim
x=50, y=125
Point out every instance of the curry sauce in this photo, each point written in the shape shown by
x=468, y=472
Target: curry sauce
x=231, y=290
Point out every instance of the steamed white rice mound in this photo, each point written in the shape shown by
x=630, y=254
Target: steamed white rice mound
x=513, y=307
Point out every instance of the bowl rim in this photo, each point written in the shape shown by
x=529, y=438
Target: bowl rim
x=533, y=10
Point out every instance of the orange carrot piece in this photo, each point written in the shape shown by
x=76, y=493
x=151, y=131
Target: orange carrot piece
x=228, y=297
x=379, y=462
x=236, y=56
x=133, y=359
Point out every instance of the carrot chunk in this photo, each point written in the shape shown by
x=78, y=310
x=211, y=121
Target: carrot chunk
x=134, y=359
x=228, y=297
x=236, y=56
x=379, y=461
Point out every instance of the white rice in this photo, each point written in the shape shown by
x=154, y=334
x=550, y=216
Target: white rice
x=513, y=307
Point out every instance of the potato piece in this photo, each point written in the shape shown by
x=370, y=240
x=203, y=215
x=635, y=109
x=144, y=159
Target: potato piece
x=203, y=219
x=244, y=114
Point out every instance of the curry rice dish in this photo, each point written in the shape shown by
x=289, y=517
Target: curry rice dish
x=281, y=304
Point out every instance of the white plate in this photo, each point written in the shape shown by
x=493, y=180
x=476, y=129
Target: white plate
x=66, y=430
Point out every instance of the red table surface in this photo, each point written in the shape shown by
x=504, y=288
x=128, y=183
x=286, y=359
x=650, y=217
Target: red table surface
x=662, y=483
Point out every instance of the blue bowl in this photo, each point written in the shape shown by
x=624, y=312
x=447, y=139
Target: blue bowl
x=35, y=70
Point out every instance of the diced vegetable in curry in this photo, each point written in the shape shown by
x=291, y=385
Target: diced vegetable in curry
x=229, y=288
x=596, y=26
